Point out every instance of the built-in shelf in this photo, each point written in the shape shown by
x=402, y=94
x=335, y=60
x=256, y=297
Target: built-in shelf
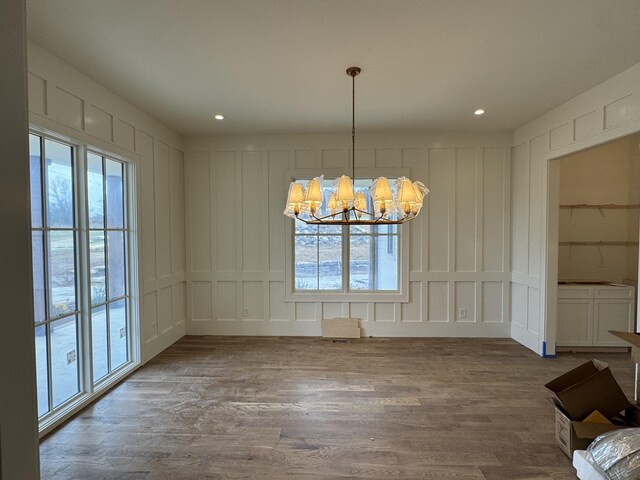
x=623, y=244
x=611, y=206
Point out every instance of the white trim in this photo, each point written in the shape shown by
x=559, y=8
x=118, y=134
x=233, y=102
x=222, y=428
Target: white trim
x=47, y=126
x=550, y=234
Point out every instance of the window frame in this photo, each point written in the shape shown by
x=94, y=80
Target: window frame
x=126, y=230
x=345, y=295
x=46, y=231
x=88, y=389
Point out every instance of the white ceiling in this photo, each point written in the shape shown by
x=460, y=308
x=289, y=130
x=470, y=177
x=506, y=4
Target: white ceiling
x=278, y=66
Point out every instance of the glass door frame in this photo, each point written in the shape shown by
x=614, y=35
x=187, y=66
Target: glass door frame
x=88, y=390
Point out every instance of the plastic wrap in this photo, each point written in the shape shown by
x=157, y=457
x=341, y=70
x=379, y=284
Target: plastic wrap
x=617, y=453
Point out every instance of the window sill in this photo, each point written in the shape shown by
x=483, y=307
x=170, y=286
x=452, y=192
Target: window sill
x=81, y=400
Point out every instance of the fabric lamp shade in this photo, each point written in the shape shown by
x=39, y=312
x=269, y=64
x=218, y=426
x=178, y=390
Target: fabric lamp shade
x=313, y=197
x=295, y=200
x=382, y=196
x=406, y=196
x=381, y=190
x=361, y=201
x=344, y=192
x=296, y=193
x=421, y=190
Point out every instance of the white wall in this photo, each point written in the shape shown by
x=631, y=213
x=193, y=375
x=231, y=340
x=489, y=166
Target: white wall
x=65, y=100
x=607, y=111
x=459, y=249
x=602, y=175
x=18, y=425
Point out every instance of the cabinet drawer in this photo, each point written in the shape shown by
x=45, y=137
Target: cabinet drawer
x=571, y=291
x=614, y=292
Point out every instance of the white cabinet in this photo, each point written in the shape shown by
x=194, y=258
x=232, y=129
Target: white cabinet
x=586, y=313
x=575, y=322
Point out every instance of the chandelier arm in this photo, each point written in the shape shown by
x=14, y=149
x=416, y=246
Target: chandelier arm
x=362, y=211
x=354, y=222
x=331, y=215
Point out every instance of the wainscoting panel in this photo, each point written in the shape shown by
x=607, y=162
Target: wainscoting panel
x=608, y=111
x=64, y=100
x=457, y=244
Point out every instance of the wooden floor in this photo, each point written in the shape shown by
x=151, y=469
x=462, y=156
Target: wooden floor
x=307, y=408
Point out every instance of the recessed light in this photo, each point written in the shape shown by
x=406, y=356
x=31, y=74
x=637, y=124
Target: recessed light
x=218, y=117
x=479, y=111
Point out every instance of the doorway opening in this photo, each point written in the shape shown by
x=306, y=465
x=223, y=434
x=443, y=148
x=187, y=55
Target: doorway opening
x=594, y=211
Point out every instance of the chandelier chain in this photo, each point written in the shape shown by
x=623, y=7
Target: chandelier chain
x=353, y=126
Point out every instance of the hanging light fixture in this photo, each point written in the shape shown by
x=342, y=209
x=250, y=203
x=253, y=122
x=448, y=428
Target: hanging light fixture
x=383, y=203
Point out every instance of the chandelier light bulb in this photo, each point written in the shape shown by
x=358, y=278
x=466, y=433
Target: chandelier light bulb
x=360, y=204
x=332, y=204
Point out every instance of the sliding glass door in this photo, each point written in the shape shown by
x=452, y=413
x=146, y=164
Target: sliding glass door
x=55, y=267
x=81, y=276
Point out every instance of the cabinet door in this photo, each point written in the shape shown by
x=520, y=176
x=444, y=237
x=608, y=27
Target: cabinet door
x=575, y=322
x=612, y=314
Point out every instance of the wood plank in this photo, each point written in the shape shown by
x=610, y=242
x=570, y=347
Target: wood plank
x=305, y=408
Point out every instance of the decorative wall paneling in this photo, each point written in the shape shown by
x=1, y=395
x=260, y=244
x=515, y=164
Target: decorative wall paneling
x=608, y=111
x=458, y=249
x=64, y=100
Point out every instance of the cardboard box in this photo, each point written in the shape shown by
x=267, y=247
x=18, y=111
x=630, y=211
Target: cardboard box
x=573, y=435
x=340, y=328
x=586, y=388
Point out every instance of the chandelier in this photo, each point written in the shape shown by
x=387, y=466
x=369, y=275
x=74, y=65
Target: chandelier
x=384, y=203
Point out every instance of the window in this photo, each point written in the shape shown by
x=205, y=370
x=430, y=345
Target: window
x=80, y=235
x=373, y=265
x=339, y=260
x=108, y=263
x=54, y=236
x=318, y=257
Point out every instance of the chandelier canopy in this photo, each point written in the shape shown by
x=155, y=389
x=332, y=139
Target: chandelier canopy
x=382, y=203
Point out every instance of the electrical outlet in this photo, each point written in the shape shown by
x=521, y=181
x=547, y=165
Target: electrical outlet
x=246, y=312
x=462, y=313
x=71, y=357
